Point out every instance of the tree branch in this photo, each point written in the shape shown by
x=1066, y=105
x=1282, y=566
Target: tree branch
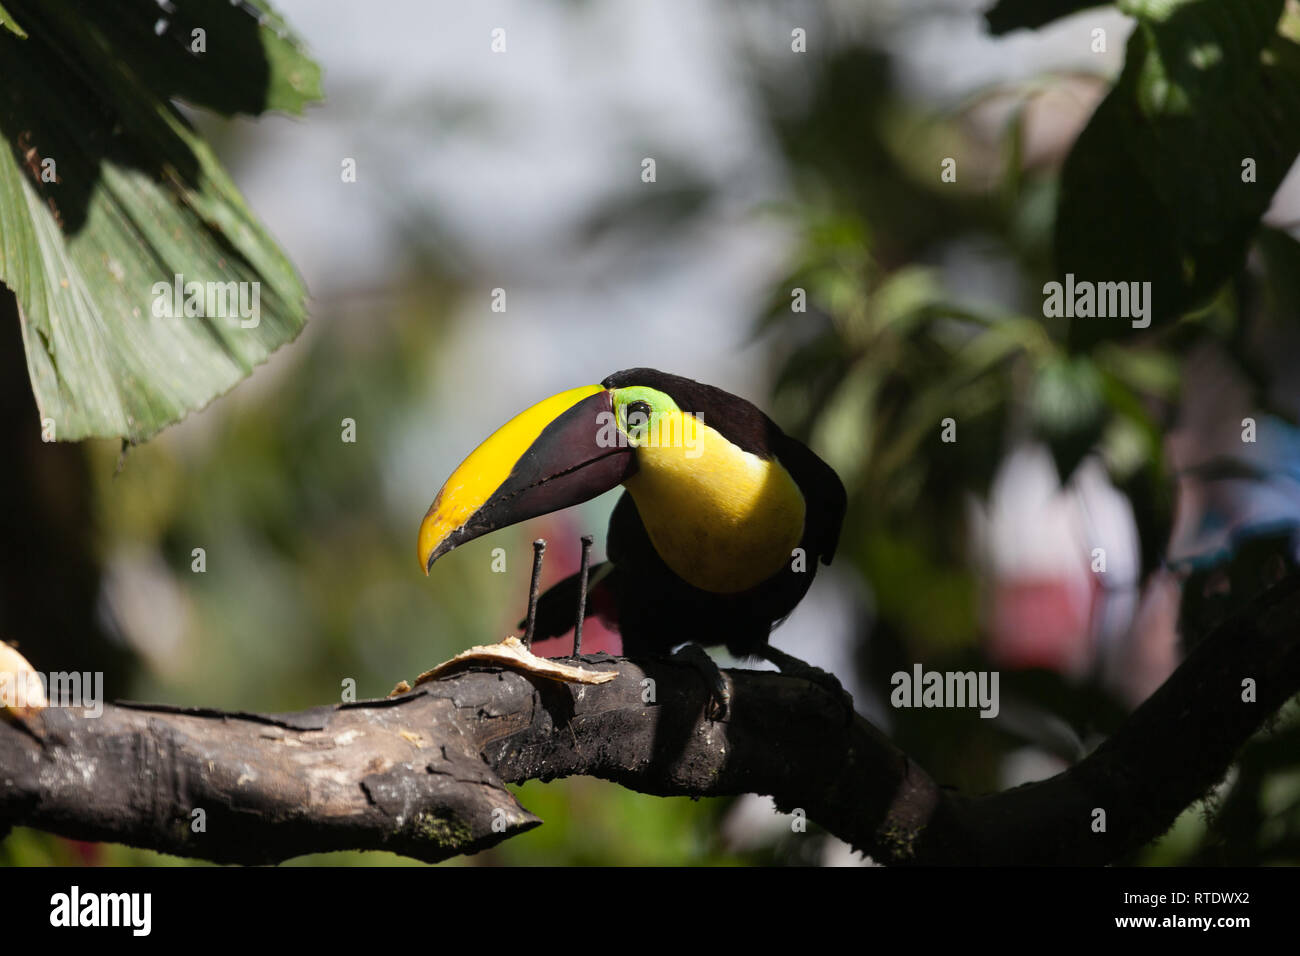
x=424, y=774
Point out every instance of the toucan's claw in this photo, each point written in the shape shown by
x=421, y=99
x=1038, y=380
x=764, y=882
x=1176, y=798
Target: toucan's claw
x=793, y=667
x=714, y=680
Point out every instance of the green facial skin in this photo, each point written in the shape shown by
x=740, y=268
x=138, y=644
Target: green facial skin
x=660, y=404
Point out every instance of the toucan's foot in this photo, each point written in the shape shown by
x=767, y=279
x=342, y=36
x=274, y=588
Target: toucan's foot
x=716, y=682
x=827, y=681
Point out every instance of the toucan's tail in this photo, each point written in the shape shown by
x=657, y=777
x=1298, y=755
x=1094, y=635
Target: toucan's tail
x=557, y=609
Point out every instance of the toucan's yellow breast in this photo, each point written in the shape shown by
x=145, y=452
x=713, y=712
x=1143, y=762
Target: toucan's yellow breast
x=721, y=518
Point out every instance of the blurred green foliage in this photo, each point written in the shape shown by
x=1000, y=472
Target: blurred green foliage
x=1152, y=188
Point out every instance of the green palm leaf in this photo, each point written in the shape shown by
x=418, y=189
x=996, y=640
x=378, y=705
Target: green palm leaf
x=107, y=194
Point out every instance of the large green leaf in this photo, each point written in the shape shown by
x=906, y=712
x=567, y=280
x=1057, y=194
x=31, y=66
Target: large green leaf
x=9, y=23
x=139, y=199
x=1153, y=189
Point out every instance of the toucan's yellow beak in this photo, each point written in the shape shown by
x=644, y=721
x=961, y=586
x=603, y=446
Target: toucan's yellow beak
x=553, y=455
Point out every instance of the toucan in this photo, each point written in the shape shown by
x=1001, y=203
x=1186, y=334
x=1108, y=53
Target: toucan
x=715, y=539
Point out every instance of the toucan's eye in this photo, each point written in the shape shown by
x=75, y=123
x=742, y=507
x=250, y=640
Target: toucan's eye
x=638, y=416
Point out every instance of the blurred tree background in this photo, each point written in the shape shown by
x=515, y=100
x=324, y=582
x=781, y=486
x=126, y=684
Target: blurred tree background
x=856, y=211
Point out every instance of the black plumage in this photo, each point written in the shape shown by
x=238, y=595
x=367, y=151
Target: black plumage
x=650, y=605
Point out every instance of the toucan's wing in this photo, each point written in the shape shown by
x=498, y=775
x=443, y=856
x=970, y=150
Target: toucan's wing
x=629, y=548
x=825, y=500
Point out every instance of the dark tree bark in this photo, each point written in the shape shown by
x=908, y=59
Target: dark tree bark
x=424, y=774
